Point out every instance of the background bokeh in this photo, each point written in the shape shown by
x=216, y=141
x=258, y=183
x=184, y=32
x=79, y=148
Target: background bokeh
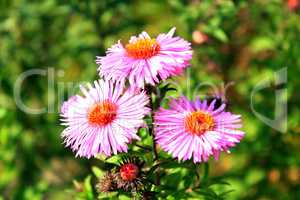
x=240, y=41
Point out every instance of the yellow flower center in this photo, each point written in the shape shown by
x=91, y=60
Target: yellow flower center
x=142, y=48
x=198, y=122
x=102, y=113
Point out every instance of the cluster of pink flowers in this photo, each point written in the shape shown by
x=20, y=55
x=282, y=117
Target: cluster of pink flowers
x=108, y=115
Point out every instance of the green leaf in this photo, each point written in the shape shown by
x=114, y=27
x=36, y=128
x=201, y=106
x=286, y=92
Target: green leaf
x=223, y=194
x=108, y=196
x=114, y=159
x=220, y=35
x=123, y=197
x=254, y=176
x=208, y=193
x=97, y=171
x=88, y=189
x=262, y=43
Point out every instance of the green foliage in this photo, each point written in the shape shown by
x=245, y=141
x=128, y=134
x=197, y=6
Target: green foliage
x=248, y=41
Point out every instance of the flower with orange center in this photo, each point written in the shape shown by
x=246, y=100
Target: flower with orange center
x=196, y=129
x=146, y=60
x=102, y=113
x=104, y=120
x=198, y=122
x=129, y=172
x=142, y=48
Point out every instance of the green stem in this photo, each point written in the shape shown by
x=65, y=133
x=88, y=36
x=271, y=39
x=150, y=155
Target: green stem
x=149, y=90
x=155, y=153
x=206, y=173
x=197, y=181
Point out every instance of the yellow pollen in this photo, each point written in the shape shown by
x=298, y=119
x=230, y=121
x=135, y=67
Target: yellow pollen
x=102, y=113
x=142, y=48
x=198, y=122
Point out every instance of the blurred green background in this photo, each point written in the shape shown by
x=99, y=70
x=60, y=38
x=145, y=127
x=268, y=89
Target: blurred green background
x=240, y=41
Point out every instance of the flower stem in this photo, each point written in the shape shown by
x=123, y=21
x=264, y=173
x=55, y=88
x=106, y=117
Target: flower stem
x=149, y=90
x=155, y=153
x=206, y=172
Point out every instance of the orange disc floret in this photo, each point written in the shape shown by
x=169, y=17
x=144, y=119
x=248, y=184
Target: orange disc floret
x=198, y=122
x=142, y=48
x=129, y=172
x=102, y=113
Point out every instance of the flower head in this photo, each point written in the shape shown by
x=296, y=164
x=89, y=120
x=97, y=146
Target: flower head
x=104, y=120
x=129, y=171
x=107, y=183
x=130, y=175
x=146, y=60
x=195, y=129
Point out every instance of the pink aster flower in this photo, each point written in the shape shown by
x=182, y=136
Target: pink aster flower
x=146, y=60
x=104, y=120
x=196, y=129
